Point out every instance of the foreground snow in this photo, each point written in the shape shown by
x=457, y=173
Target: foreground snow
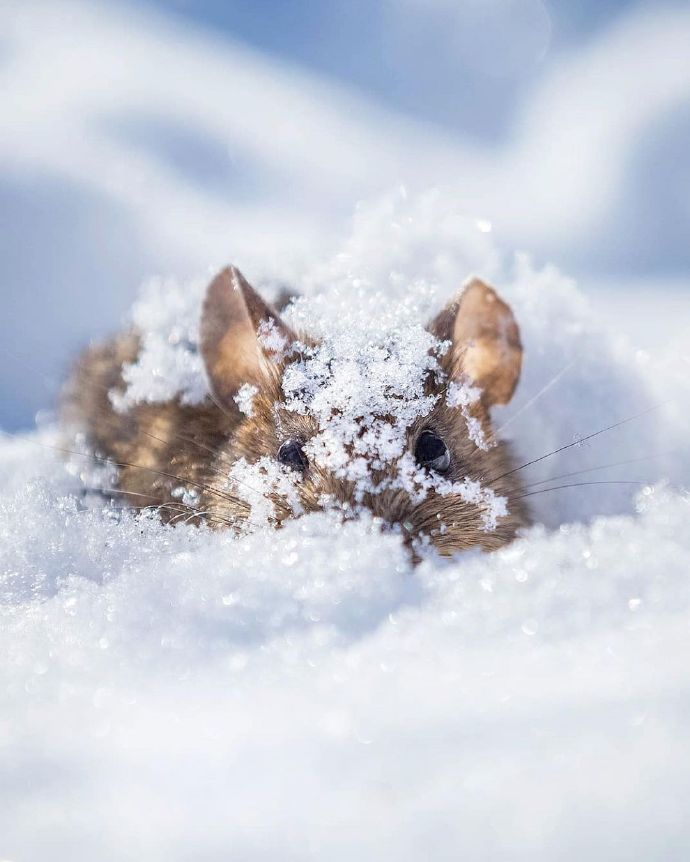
x=174, y=694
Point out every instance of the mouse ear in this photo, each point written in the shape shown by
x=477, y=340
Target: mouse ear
x=240, y=335
x=485, y=341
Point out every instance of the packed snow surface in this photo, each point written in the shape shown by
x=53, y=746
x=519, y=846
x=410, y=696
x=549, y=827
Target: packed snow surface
x=171, y=693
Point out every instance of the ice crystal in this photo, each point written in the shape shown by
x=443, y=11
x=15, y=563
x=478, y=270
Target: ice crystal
x=245, y=398
x=463, y=395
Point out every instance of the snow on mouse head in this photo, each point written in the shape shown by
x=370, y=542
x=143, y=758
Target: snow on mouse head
x=363, y=417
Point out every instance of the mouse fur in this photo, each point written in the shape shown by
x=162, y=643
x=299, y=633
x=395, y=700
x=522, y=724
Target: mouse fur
x=162, y=447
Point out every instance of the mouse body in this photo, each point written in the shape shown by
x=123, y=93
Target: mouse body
x=272, y=442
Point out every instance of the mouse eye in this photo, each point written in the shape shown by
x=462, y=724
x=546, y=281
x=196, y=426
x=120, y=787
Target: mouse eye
x=432, y=452
x=291, y=454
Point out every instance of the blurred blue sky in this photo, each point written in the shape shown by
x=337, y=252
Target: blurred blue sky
x=355, y=42
x=416, y=70
x=169, y=136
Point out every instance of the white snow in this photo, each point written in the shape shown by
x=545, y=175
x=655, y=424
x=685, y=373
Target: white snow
x=169, y=363
x=463, y=395
x=171, y=693
x=253, y=483
x=245, y=398
x=364, y=385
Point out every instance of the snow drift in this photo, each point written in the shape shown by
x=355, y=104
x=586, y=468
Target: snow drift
x=173, y=693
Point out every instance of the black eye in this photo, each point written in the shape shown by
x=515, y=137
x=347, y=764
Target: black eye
x=432, y=452
x=292, y=455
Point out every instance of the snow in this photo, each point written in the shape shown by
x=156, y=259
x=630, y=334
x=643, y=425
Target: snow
x=245, y=398
x=463, y=395
x=169, y=363
x=253, y=483
x=177, y=693
x=364, y=385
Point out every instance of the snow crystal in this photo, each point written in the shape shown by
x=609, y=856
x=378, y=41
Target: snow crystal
x=463, y=395
x=256, y=483
x=272, y=339
x=364, y=385
x=245, y=398
x=417, y=482
x=168, y=692
x=169, y=364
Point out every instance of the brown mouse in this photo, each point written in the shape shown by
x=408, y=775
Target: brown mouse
x=258, y=448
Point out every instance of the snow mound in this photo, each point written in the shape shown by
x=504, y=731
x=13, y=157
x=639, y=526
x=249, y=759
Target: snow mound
x=175, y=693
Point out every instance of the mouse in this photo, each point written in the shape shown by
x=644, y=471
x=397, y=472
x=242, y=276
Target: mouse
x=279, y=435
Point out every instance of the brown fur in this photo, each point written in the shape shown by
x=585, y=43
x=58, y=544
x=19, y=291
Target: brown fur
x=161, y=447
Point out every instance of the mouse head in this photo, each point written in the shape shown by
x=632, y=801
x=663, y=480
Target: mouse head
x=398, y=425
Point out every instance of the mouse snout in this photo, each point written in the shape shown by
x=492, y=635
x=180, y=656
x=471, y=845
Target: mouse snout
x=394, y=510
x=447, y=524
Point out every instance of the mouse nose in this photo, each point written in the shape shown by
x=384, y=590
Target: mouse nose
x=390, y=506
x=393, y=509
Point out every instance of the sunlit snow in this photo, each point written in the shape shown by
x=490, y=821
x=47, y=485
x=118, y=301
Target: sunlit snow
x=169, y=692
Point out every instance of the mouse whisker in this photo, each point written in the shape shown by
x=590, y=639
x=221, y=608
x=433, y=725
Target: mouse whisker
x=187, y=516
x=185, y=439
x=206, y=515
x=113, y=463
x=221, y=407
x=118, y=491
x=599, y=467
x=173, y=504
x=578, y=485
x=536, y=397
x=578, y=442
x=186, y=508
x=224, y=476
